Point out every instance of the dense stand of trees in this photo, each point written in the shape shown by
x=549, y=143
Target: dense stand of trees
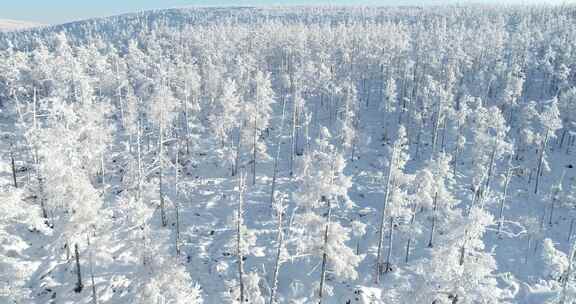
x=441, y=115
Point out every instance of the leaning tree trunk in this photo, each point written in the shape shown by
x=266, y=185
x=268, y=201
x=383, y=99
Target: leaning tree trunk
x=390, y=243
x=463, y=249
x=13, y=164
x=502, y=201
x=383, y=216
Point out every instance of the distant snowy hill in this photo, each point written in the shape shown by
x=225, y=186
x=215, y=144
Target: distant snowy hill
x=11, y=25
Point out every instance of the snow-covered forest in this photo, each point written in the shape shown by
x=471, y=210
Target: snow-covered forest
x=291, y=155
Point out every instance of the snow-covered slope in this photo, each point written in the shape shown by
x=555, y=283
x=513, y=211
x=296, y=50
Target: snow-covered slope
x=11, y=25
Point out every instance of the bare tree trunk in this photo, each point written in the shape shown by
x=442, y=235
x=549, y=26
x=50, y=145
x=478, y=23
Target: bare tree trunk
x=409, y=242
x=13, y=163
x=552, y=206
x=539, y=171
x=567, y=275
x=463, y=249
x=280, y=244
x=160, y=183
x=238, y=150
x=555, y=198
x=325, y=253
x=186, y=117
x=502, y=201
x=90, y=260
x=254, y=150
x=79, y=284
x=101, y=142
x=41, y=193
x=293, y=138
x=177, y=200
x=528, y=248
x=562, y=138
x=491, y=165
x=436, y=127
x=570, y=230
x=433, y=228
x=356, y=124
x=475, y=195
x=239, y=220
x=119, y=97
x=390, y=243
x=383, y=215
x=277, y=156
x=139, y=158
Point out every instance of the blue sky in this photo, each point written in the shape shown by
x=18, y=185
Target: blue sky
x=57, y=11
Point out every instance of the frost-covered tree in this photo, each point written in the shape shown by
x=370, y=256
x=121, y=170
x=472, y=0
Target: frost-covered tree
x=395, y=204
x=323, y=189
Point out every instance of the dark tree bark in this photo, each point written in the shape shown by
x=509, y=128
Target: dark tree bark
x=79, y=285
